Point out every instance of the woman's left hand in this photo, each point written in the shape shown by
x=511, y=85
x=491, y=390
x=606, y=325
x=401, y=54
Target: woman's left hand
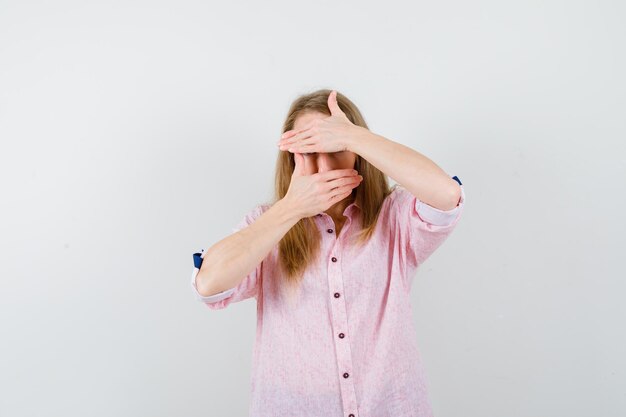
x=330, y=134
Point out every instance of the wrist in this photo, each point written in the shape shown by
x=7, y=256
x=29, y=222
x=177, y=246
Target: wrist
x=287, y=211
x=355, y=142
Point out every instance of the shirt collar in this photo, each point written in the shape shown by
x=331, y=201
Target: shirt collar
x=347, y=210
x=349, y=207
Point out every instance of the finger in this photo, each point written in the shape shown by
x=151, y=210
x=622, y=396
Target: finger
x=292, y=132
x=352, y=181
x=309, y=165
x=323, y=165
x=301, y=134
x=303, y=148
x=312, y=141
x=340, y=193
x=299, y=168
x=336, y=173
x=288, y=134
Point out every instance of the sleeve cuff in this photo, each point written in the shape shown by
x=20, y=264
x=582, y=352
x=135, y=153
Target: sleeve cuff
x=436, y=216
x=197, y=260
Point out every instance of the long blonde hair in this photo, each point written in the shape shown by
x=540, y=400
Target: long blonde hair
x=301, y=244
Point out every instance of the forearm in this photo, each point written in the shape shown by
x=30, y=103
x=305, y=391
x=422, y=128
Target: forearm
x=230, y=260
x=409, y=168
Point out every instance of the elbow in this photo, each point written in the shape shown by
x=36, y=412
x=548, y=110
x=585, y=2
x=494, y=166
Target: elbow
x=457, y=195
x=204, y=284
x=454, y=199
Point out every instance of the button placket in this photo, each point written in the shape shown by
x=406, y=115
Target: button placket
x=340, y=325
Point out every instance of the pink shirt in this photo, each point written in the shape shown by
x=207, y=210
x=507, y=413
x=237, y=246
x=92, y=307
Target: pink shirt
x=346, y=344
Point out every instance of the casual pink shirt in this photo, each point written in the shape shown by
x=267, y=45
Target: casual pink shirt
x=346, y=344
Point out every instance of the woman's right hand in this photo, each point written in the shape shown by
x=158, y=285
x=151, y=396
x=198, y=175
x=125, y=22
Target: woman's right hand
x=312, y=192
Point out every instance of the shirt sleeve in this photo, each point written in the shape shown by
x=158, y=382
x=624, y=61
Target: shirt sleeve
x=421, y=227
x=247, y=288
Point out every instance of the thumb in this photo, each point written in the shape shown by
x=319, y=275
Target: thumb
x=333, y=106
x=298, y=158
x=323, y=166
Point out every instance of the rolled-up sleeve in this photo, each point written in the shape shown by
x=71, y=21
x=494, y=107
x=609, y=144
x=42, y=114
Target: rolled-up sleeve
x=437, y=217
x=247, y=288
x=423, y=228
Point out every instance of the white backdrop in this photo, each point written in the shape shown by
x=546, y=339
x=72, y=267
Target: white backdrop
x=134, y=133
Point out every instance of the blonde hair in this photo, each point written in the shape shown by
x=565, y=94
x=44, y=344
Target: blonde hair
x=301, y=244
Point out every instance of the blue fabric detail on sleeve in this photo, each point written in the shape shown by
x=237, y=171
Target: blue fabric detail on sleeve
x=457, y=180
x=197, y=260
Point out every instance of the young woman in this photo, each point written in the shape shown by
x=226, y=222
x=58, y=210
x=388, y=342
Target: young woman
x=330, y=263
